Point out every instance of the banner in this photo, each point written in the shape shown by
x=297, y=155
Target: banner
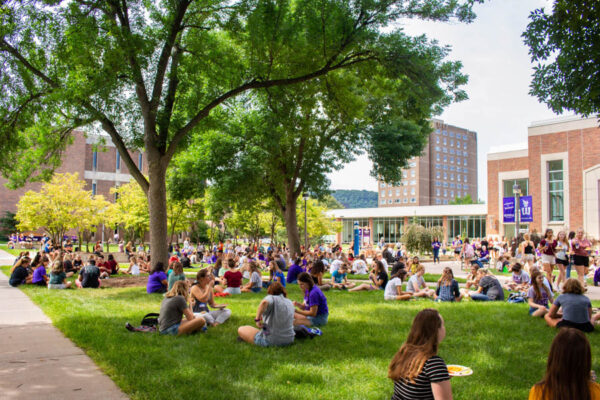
x=366, y=236
x=526, y=209
x=508, y=206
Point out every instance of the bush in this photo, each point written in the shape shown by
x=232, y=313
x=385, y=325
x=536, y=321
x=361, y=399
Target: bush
x=417, y=238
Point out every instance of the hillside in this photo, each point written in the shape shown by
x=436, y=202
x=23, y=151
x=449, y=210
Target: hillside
x=356, y=198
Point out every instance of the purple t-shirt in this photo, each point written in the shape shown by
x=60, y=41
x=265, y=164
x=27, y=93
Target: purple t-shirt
x=316, y=298
x=543, y=301
x=523, y=277
x=39, y=274
x=293, y=273
x=155, y=282
x=551, y=246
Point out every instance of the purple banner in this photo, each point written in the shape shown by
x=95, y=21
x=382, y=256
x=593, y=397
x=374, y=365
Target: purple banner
x=526, y=209
x=508, y=206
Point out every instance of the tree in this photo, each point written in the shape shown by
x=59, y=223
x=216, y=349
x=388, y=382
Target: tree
x=8, y=224
x=130, y=210
x=466, y=199
x=318, y=223
x=565, y=45
x=60, y=205
x=151, y=73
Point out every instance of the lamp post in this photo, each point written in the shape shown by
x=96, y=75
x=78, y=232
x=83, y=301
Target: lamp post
x=305, y=197
x=517, y=193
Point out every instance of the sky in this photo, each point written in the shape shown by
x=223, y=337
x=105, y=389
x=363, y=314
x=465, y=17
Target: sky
x=494, y=56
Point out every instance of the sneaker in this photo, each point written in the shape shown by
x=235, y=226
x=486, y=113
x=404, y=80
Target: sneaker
x=129, y=327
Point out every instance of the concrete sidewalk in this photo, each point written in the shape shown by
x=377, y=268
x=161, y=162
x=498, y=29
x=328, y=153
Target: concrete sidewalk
x=36, y=360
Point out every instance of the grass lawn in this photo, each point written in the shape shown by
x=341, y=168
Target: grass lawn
x=506, y=348
x=14, y=252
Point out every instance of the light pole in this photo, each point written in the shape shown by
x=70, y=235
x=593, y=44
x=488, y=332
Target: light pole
x=517, y=193
x=305, y=197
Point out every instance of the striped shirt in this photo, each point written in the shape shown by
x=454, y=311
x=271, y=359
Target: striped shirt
x=433, y=371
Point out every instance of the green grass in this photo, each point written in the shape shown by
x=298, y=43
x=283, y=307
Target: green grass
x=14, y=252
x=506, y=348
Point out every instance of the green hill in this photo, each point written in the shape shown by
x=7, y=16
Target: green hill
x=356, y=198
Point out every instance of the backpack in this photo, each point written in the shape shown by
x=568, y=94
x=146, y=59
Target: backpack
x=516, y=298
x=303, y=332
x=149, y=324
x=150, y=319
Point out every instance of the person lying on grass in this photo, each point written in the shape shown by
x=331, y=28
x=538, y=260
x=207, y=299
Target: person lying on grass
x=89, y=275
x=172, y=310
x=202, y=297
x=232, y=278
x=274, y=319
x=569, y=370
x=176, y=275
x=314, y=310
x=416, y=369
x=58, y=277
x=447, y=287
x=378, y=277
x=393, y=289
x=255, y=283
x=519, y=280
x=489, y=289
x=19, y=274
x=416, y=285
x=157, y=280
x=576, y=308
x=339, y=278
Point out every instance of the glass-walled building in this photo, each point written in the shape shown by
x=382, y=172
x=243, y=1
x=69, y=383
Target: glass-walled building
x=387, y=224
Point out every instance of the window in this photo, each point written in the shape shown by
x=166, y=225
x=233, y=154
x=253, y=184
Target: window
x=412, y=173
x=438, y=201
x=412, y=191
x=437, y=131
x=405, y=191
x=118, y=160
x=458, y=177
x=445, y=150
x=465, y=162
x=93, y=188
x=457, y=144
x=446, y=167
x=465, y=187
x=116, y=195
x=437, y=157
x=451, y=160
x=412, y=164
x=438, y=166
x=445, y=175
x=458, y=169
x=445, y=133
x=451, y=151
x=452, y=186
x=437, y=192
x=95, y=160
x=140, y=161
x=452, y=168
x=397, y=192
x=437, y=175
x=390, y=192
x=437, y=148
x=383, y=201
x=413, y=200
x=404, y=174
x=452, y=193
x=446, y=184
x=555, y=190
x=464, y=146
x=445, y=193
x=413, y=182
x=458, y=160
x=383, y=193
x=390, y=201
x=445, y=142
x=451, y=141
x=458, y=186
x=382, y=185
x=397, y=201
x=405, y=200
x=465, y=178
x=437, y=140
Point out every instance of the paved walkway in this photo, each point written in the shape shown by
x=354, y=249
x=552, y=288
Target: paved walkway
x=36, y=360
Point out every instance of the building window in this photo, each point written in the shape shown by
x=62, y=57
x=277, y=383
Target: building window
x=445, y=142
x=438, y=201
x=445, y=133
x=451, y=141
x=437, y=175
x=397, y=192
x=397, y=201
x=437, y=140
x=412, y=164
x=94, y=188
x=452, y=193
x=465, y=186
x=458, y=186
x=437, y=157
x=140, y=161
x=405, y=200
x=413, y=200
x=118, y=161
x=413, y=182
x=405, y=191
x=412, y=191
x=95, y=160
x=464, y=146
x=404, y=174
x=390, y=201
x=465, y=162
x=452, y=186
x=445, y=150
x=555, y=190
x=390, y=192
x=445, y=184
x=445, y=175
x=437, y=148
x=383, y=201
x=437, y=192
x=445, y=201
x=445, y=193
x=465, y=178
x=412, y=173
x=382, y=185
x=445, y=158
x=445, y=167
x=451, y=151
x=451, y=177
x=116, y=195
x=383, y=193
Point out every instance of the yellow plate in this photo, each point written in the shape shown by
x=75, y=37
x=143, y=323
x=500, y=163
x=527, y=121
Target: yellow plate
x=459, y=370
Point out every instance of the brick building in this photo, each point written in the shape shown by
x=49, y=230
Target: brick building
x=559, y=167
x=447, y=169
x=100, y=164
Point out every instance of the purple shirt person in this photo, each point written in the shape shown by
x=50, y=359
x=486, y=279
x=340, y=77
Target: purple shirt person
x=39, y=275
x=155, y=284
x=293, y=272
x=315, y=297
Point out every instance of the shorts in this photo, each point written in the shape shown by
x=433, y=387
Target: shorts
x=318, y=320
x=256, y=289
x=260, y=339
x=532, y=310
x=172, y=330
x=233, y=290
x=584, y=327
x=562, y=262
x=581, y=260
x=56, y=286
x=547, y=259
x=456, y=251
x=528, y=257
x=388, y=297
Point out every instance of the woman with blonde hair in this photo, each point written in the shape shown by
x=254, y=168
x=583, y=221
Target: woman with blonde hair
x=172, y=310
x=416, y=369
x=527, y=252
x=562, y=257
x=447, y=287
x=58, y=277
x=569, y=370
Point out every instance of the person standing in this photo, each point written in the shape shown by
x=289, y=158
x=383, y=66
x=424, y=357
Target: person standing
x=435, y=246
x=581, y=247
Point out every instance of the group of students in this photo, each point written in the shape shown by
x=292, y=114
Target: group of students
x=418, y=372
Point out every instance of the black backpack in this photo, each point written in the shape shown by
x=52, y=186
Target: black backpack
x=150, y=319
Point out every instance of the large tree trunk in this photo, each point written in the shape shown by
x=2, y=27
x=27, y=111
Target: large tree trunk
x=157, y=207
x=291, y=226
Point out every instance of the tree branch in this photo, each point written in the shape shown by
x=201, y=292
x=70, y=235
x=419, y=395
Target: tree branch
x=164, y=119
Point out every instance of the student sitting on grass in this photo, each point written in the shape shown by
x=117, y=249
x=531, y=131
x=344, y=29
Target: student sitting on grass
x=519, y=280
x=447, y=287
x=202, y=297
x=378, y=277
x=416, y=369
x=58, y=277
x=172, y=309
x=314, y=310
x=176, y=275
x=89, y=276
x=416, y=285
x=103, y=266
x=274, y=319
x=489, y=289
x=255, y=283
x=233, y=278
x=19, y=274
x=157, y=281
x=576, y=308
x=413, y=265
x=359, y=266
x=393, y=289
x=568, y=371
x=134, y=268
x=39, y=274
x=339, y=278
x=317, y=271
x=112, y=265
x=275, y=274
x=538, y=295
x=295, y=270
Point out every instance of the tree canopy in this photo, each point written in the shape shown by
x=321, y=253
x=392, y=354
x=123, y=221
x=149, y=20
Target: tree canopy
x=152, y=73
x=564, y=44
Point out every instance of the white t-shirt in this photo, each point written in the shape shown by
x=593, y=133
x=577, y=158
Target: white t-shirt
x=385, y=264
x=359, y=266
x=414, y=283
x=135, y=269
x=335, y=265
x=391, y=287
